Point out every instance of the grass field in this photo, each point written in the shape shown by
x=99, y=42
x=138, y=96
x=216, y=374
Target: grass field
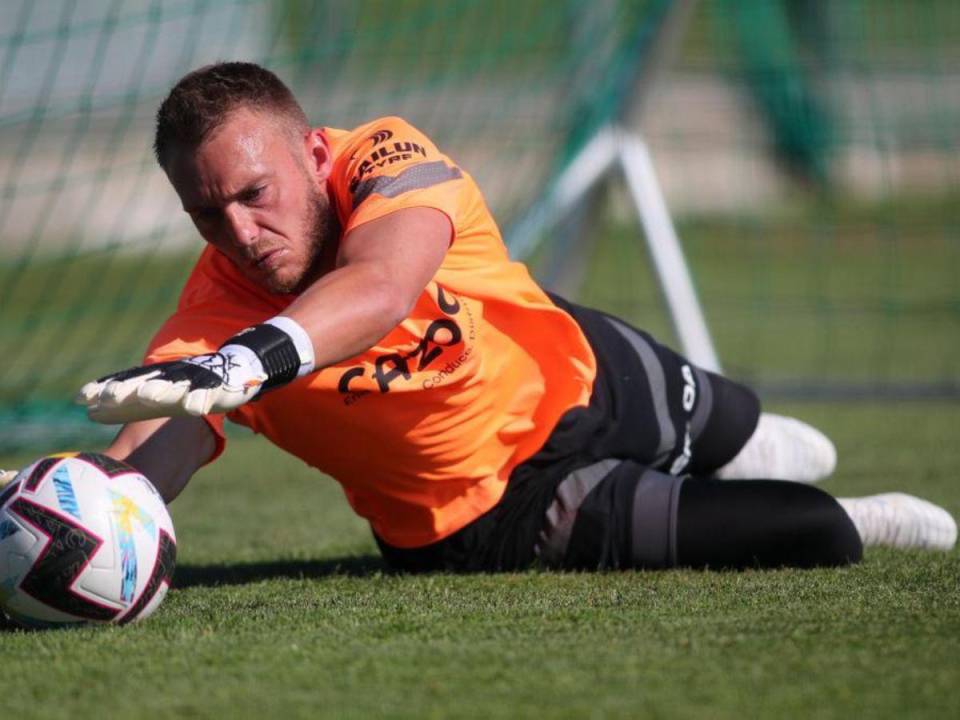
x=283, y=609
x=843, y=294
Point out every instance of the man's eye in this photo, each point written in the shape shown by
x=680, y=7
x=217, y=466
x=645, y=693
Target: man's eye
x=206, y=215
x=253, y=194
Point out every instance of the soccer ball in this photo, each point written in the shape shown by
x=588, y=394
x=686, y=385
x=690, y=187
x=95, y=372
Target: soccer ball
x=83, y=538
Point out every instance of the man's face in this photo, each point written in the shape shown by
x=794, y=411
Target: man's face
x=258, y=194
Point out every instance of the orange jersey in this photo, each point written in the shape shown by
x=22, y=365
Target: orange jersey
x=423, y=429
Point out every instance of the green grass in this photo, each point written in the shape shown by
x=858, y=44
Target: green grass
x=841, y=294
x=283, y=609
x=93, y=313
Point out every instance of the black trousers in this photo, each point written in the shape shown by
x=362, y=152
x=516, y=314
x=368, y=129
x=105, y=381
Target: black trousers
x=626, y=481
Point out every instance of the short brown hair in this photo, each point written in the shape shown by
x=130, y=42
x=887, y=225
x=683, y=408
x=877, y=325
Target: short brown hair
x=200, y=102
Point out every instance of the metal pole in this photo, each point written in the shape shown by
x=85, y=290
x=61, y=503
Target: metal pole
x=666, y=253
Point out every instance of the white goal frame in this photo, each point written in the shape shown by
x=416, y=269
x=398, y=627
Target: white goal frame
x=616, y=151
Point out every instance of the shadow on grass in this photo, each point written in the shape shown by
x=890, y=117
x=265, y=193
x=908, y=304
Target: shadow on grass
x=187, y=576
x=242, y=573
x=7, y=625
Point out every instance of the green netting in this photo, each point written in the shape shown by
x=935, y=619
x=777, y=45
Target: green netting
x=809, y=154
x=849, y=141
x=807, y=149
x=94, y=247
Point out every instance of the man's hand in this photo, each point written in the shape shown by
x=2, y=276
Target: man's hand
x=259, y=358
x=215, y=383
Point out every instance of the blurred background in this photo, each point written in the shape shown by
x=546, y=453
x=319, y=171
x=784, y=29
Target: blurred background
x=806, y=149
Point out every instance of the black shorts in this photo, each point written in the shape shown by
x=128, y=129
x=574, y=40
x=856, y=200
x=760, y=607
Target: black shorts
x=602, y=492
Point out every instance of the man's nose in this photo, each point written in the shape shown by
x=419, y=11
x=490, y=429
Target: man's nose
x=241, y=225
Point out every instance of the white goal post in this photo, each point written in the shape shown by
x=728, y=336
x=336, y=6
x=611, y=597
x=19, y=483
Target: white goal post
x=616, y=150
x=611, y=150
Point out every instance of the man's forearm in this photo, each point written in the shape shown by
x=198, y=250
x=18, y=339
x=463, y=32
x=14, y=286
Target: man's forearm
x=168, y=451
x=384, y=266
x=348, y=311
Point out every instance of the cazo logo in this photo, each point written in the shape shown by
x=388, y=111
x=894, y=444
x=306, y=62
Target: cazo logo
x=441, y=333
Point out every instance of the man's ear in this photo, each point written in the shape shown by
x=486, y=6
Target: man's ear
x=319, y=157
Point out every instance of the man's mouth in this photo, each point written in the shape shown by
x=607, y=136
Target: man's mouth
x=269, y=260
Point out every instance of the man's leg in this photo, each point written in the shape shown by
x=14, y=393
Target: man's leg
x=762, y=523
x=777, y=447
x=655, y=407
x=619, y=514
x=768, y=523
x=667, y=413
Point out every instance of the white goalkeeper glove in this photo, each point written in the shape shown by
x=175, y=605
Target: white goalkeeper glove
x=257, y=359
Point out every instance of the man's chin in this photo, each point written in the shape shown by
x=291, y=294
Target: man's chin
x=289, y=278
x=284, y=286
x=278, y=283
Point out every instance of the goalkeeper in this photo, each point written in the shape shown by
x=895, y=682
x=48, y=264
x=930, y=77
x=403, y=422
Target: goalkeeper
x=355, y=304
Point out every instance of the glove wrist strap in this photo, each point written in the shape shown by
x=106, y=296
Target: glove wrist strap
x=301, y=341
x=283, y=347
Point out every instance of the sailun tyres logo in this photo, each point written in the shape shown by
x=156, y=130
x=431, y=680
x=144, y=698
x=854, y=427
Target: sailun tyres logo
x=383, y=155
x=380, y=136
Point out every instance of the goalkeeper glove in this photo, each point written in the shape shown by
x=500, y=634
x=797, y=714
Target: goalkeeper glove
x=257, y=359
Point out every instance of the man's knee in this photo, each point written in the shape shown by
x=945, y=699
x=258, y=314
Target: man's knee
x=612, y=515
x=824, y=533
x=732, y=420
x=693, y=421
x=704, y=419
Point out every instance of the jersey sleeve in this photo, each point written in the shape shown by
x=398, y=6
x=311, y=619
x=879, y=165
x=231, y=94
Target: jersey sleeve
x=389, y=165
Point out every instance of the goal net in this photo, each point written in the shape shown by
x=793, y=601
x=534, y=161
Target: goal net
x=806, y=151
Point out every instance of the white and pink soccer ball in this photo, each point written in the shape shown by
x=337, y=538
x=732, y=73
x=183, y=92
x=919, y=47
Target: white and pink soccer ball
x=83, y=538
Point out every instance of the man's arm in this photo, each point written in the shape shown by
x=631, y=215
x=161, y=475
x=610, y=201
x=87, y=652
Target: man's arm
x=382, y=268
x=168, y=451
